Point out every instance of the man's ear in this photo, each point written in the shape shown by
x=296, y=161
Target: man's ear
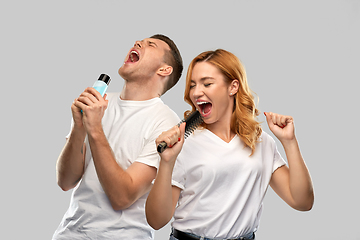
x=165, y=70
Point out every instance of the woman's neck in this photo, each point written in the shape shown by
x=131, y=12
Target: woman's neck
x=222, y=130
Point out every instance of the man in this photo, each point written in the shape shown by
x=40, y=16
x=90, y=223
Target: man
x=110, y=154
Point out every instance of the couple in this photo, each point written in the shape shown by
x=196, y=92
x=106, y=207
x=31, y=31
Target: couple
x=213, y=184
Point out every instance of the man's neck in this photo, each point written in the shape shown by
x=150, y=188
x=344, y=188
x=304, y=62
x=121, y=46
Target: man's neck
x=134, y=91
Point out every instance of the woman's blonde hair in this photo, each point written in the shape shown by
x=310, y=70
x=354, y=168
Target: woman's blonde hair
x=243, y=120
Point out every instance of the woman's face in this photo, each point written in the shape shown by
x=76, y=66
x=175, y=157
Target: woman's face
x=211, y=94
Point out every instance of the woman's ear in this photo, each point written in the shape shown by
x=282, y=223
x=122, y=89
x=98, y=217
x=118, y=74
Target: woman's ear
x=165, y=70
x=234, y=87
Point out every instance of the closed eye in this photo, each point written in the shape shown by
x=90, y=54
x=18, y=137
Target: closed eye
x=152, y=44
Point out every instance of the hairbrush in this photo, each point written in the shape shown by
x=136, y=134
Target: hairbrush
x=193, y=120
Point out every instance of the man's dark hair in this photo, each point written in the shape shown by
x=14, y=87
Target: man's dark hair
x=173, y=58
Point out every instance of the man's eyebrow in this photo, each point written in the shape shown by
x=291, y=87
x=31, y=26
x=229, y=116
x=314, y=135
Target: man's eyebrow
x=151, y=42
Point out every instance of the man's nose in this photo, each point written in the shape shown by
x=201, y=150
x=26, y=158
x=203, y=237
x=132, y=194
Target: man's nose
x=138, y=44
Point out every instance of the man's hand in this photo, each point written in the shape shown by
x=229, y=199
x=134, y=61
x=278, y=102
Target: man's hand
x=93, y=106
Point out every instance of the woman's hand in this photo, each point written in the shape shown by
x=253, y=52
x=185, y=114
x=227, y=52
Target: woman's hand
x=282, y=126
x=174, y=139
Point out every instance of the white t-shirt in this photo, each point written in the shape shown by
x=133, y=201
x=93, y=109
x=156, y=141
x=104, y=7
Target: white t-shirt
x=222, y=187
x=131, y=128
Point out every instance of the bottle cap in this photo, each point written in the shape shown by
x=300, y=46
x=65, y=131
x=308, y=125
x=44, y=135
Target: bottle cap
x=105, y=78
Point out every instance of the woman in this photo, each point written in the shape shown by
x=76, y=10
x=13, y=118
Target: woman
x=215, y=186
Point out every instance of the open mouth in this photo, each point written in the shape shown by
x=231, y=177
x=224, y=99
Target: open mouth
x=205, y=107
x=133, y=56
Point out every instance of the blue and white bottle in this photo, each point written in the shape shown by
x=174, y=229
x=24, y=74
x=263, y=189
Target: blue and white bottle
x=102, y=84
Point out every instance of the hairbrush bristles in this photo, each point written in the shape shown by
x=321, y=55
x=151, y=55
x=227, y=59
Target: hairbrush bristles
x=192, y=120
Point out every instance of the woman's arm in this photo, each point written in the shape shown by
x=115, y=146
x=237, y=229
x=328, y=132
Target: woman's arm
x=163, y=197
x=162, y=200
x=293, y=184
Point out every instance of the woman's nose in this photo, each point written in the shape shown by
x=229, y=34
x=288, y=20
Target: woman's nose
x=197, y=92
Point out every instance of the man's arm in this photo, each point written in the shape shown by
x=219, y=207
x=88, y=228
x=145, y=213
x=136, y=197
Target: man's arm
x=70, y=164
x=122, y=187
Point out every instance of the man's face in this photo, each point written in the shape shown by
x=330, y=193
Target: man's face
x=144, y=59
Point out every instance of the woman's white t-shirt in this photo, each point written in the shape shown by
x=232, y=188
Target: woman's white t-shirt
x=223, y=187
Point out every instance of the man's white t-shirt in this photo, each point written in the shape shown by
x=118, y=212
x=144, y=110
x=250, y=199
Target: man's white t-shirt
x=223, y=187
x=131, y=128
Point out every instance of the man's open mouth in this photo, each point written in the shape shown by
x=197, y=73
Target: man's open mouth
x=205, y=107
x=133, y=56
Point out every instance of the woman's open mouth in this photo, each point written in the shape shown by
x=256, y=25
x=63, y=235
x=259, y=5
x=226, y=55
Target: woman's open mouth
x=204, y=108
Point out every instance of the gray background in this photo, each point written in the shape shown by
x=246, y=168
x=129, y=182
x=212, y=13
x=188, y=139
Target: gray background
x=302, y=59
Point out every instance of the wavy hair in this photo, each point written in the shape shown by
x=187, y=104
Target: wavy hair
x=243, y=119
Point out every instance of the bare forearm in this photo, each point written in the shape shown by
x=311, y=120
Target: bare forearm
x=115, y=181
x=159, y=204
x=70, y=164
x=301, y=187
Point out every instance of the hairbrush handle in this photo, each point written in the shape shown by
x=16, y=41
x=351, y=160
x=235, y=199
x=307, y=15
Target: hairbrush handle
x=161, y=147
x=192, y=121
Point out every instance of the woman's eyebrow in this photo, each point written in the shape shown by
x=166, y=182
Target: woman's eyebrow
x=206, y=78
x=202, y=79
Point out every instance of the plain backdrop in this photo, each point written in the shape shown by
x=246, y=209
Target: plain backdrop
x=302, y=59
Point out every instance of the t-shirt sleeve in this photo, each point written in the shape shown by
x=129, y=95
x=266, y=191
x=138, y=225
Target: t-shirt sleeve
x=149, y=154
x=278, y=160
x=178, y=176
